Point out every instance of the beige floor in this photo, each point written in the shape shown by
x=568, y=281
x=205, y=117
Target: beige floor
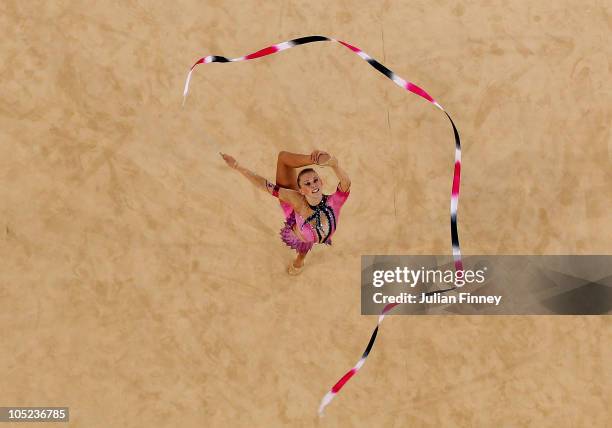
x=143, y=284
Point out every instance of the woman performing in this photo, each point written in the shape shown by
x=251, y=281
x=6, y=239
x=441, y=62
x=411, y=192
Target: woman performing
x=310, y=216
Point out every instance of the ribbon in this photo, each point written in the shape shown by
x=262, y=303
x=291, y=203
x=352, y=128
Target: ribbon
x=404, y=84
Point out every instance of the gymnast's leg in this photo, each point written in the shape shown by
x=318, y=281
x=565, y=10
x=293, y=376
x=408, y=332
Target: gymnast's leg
x=286, y=164
x=286, y=177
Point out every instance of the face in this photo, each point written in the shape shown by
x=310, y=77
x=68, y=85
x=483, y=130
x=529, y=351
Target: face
x=311, y=184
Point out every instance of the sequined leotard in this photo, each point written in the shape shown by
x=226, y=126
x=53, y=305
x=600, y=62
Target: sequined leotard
x=301, y=234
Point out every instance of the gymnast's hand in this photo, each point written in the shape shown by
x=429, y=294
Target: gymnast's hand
x=230, y=161
x=319, y=157
x=325, y=159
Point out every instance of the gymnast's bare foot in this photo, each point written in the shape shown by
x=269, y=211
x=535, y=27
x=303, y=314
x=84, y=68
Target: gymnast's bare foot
x=296, y=266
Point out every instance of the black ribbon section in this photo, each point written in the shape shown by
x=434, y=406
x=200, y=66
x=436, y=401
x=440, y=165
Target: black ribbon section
x=309, y=39
x=454, y=230
x=370, y=343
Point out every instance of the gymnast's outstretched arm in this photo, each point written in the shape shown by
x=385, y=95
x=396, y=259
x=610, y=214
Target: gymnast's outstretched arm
x=286, y=195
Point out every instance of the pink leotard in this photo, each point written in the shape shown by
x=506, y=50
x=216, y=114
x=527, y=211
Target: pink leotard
x=329, y=207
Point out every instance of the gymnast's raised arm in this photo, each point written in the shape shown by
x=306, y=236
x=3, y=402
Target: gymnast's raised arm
x=345, y=181
x=286, y=195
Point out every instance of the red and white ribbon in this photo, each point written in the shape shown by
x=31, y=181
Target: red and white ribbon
x=404, y=84
x=344, y=379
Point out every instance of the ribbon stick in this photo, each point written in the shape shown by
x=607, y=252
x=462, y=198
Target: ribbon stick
x=406, y=85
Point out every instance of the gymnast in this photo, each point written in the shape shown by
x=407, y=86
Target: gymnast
x=310, y=216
